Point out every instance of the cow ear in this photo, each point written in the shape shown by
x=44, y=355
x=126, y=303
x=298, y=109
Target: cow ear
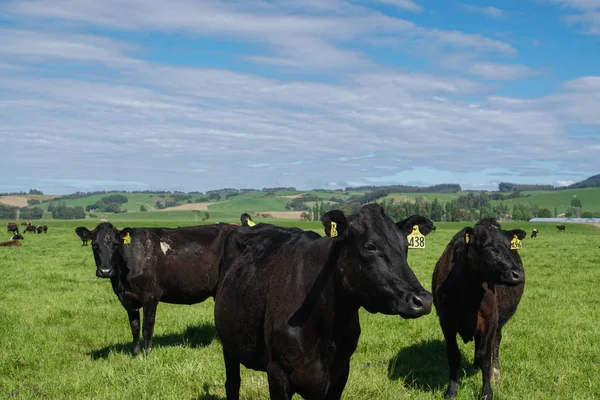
x=406, y=225
x=468, y=235
x=520, y=233
x=335, y=223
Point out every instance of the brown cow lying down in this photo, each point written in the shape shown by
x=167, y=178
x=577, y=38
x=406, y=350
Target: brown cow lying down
x=10, y=244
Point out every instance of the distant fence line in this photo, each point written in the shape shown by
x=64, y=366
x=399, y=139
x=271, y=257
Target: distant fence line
x=571, y=220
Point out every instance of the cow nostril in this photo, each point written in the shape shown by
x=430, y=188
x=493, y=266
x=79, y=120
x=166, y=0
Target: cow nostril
x=417, y=303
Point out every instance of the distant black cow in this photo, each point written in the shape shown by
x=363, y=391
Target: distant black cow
x=477, y=285
x=561, y=228
x=534, y=233
x=12, y=227
x=39, y=229
x=30, y=228
x=45, y=228
x=151, y=265
x=84, y=234
x=17, y=236
x=288, y=300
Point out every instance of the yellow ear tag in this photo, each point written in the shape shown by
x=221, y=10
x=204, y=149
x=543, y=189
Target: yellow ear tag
x=416, y=240
x=333, y=231
x=126, y=238
x=250, y=223
x=467, y=238
x=515, y=244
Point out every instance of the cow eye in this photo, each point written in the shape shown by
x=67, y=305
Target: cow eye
x=370, y=247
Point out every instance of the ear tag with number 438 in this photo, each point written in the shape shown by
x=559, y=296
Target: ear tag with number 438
x=515, y=244
x=416, y=240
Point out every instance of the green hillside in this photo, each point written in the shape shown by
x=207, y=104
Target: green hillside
x=561, y=199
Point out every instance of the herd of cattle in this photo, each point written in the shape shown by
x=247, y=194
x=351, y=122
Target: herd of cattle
x=13, y=228
x=287, y=300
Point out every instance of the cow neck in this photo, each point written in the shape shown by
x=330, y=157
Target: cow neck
x=467, y=284
x=119, y=279
x=329, y=287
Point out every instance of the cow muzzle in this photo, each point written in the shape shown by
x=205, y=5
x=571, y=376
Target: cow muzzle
x=418, y=305
x=104, y=272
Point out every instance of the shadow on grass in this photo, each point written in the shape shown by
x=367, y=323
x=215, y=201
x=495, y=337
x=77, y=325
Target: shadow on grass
x=193, y=336
x=424, y=366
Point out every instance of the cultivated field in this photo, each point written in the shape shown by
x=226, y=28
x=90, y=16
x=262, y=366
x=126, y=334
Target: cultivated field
x=64, y=335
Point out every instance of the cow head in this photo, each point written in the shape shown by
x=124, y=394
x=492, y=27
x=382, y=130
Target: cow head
x=488, y=247
x=106, y=242
x=373, y=260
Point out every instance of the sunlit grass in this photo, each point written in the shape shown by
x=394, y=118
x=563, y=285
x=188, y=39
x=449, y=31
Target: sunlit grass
x=64, y=335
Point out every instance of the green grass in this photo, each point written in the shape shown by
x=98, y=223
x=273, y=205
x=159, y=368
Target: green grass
x=64, y=335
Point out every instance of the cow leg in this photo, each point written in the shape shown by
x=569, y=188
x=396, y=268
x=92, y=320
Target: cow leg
x=148, y=328
x=453, y=363
x=134, y=323
x=335, y=391
x=232, y=373
x=280, y=387
x=487, y=341
x=495, y=354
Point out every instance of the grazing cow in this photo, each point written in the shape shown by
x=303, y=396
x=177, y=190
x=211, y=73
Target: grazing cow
x=12, y=227
x=45, y=228
x=288, y=300
x=151, y=265
x=30, y=228
x=477, y=285
x=561, y=228
x=26, y=223
x=10, y=243
x=534, y=233
x=17, y=236
x=39, y=229
x=84, y=234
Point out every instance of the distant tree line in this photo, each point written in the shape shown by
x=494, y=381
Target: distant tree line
x=31, y=192
x=442, y=188
x=10, y=212
x=516, y=187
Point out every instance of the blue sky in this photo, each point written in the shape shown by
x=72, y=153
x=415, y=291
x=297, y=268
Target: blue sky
x=199, y=95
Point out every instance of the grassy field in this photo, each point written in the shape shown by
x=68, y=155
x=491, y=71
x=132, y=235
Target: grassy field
x=64, y=335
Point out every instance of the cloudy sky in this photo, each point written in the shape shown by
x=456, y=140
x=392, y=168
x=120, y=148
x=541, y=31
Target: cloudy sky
x=205, y=94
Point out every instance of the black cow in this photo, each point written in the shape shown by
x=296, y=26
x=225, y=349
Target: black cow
x=84, y=234
x=17, y=236
x=30, y=228
x=288, y=300
x=45, y=228
x=39, y=229
x=477, y=285
x=12, y=227
x=151, y=265
x=561, y=228
x=534, y=233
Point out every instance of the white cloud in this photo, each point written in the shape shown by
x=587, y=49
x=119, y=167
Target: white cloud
x=306, y=39
x=501, y=72
x=588, y=16
x=191, y=128
x=402, y=4
x=488, y=11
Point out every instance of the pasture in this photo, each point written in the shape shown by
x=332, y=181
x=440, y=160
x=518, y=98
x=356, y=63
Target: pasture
x=64, y=335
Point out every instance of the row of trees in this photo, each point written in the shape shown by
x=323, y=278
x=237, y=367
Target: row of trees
x=10, y=212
